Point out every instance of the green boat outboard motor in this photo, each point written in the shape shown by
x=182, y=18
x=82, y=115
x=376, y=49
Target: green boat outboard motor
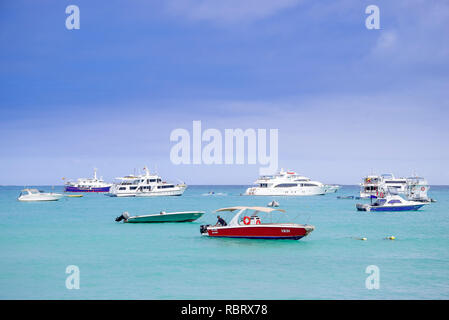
x=124, y=216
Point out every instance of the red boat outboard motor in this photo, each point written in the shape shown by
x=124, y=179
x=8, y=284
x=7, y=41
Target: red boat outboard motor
x=203, y=228
x=124, y=216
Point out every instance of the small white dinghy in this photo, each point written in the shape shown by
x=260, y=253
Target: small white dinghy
x=184, y=216
x=273, y=204
x=37, y=195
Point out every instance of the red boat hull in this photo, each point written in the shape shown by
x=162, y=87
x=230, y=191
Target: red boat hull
x=293, y=232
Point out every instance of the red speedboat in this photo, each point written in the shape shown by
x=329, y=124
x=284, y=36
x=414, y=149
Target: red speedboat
x=251, y=226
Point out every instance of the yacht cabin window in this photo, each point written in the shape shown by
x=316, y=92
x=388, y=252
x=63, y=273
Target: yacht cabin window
x=286, y=185
x=166, y=186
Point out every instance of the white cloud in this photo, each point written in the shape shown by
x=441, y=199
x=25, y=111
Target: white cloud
x=229, y=10
x=386, y=41
x=416, y=34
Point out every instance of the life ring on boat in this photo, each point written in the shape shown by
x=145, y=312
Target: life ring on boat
x=257, y=221
x=423, y=189
x=381, y=195
x=246, y=220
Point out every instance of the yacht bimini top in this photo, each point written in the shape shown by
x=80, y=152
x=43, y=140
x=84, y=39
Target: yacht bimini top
x=240, y=209
x=34, y=191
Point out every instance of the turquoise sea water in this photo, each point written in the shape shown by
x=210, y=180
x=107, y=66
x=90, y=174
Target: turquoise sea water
x=173, y=261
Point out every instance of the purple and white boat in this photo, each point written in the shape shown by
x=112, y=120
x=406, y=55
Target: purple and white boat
x=88, y=185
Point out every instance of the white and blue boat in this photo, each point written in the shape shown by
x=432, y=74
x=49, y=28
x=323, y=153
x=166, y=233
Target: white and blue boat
x=145, y=185
x=390, y=203
x=88, y=185
x=417, y=188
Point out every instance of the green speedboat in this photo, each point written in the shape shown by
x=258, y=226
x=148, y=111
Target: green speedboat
x=184, y=216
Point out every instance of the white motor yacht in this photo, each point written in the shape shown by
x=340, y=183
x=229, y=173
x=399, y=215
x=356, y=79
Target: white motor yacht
x=288, y=183
x=145, y=185
x=369, y=188
x=37, y=195
x=371, y=185
x=88, y=185
x=389, y=181
x=417, y=188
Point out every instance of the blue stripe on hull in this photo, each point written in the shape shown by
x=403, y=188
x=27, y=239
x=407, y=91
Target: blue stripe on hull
x=405, y=208
x=76, y=189
x=273, y=238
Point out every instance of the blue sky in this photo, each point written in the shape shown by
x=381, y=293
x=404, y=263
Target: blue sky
x=346, y=100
